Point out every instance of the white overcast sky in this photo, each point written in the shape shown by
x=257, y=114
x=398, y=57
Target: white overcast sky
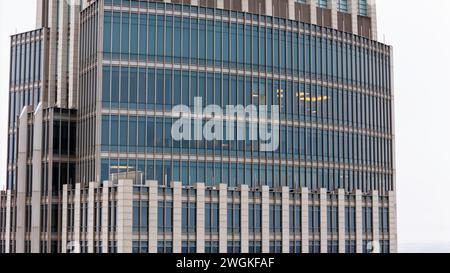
x=420, y=35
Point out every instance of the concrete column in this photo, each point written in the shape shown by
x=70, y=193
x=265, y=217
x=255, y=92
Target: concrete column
x=220, y=4
x=64, y=220
x=8, y=222
x=53, y=50
x=291, y=9
x=334, y=13
x=91, y=215
x=359, y=232
x=177, y=203
x=244, y=5
x=37, y=176
x=63, y=29
x=265, y=223
x=153, y=217
x=125, y=216
x=73, y=60
x=41, y=13
x=375, y=221
x=353, y=9
x=313, y=6
x=285, y=219
x=305, y=219
x=77, y=219
x=323, y=221
x=223, y=223
x=341, y=220
x=200, y=217
x=373, y=18
x=105, y=216
x=269, y=8
x=244, y=219
x=392, y=222
x=22, y=156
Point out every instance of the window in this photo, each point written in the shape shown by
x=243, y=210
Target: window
x=255, y=247
x=165, y=247
x=350, y=220
x=211, y=246
x=275, y=247
x=234, y=247
x=140, y=216
x=189, y=217
x=295, y=247
x=342, y=5
x=314, y=246
x=332, y=219
x=255, y=215
x=211, y=218
x=234, y=218
x=314, y=219
x=333, y=246
x=188, y=247
x=322, y=4
x=165, y=218
x=350, y=246
x=275, y=218
x=140, y=247
x=362, y=8
x=295, y=219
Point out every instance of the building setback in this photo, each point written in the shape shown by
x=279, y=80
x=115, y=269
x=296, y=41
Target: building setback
x=92, y=165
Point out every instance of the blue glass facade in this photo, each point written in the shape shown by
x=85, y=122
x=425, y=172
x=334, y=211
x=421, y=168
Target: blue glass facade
x=26, y=72
x=333, y=89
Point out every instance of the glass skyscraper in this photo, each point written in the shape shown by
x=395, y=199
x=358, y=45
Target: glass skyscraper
x=119, y=181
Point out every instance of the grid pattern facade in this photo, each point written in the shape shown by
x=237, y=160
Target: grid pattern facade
x=105, y=176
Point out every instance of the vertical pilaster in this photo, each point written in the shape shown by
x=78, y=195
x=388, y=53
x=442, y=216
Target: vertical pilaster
x=73, y=60
x=305, y=219
x=22, y=156
x=8, y=223
x=153, y=217
x=220, y=4
x=334, y=13
x=125, y=216
x=53, y=51
x=77, y=219
x=63, y=29
x=372, y=6
x=37, y=176
x=291, y=6
x=177, y=202
x=375, y=222
x=269, y=7
x=392, y=222
x=323, y=221
x=91, y=215
x=105, y=216
x=244, y=4
x=41, y=13
x=359, y=233
x=265, y=223
x=223, y=224
x=341, y=220
x=244, y=219
x=313, y=6
x=200, y=217
x=285, y=219
x=64, y=220
x=353, y=9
